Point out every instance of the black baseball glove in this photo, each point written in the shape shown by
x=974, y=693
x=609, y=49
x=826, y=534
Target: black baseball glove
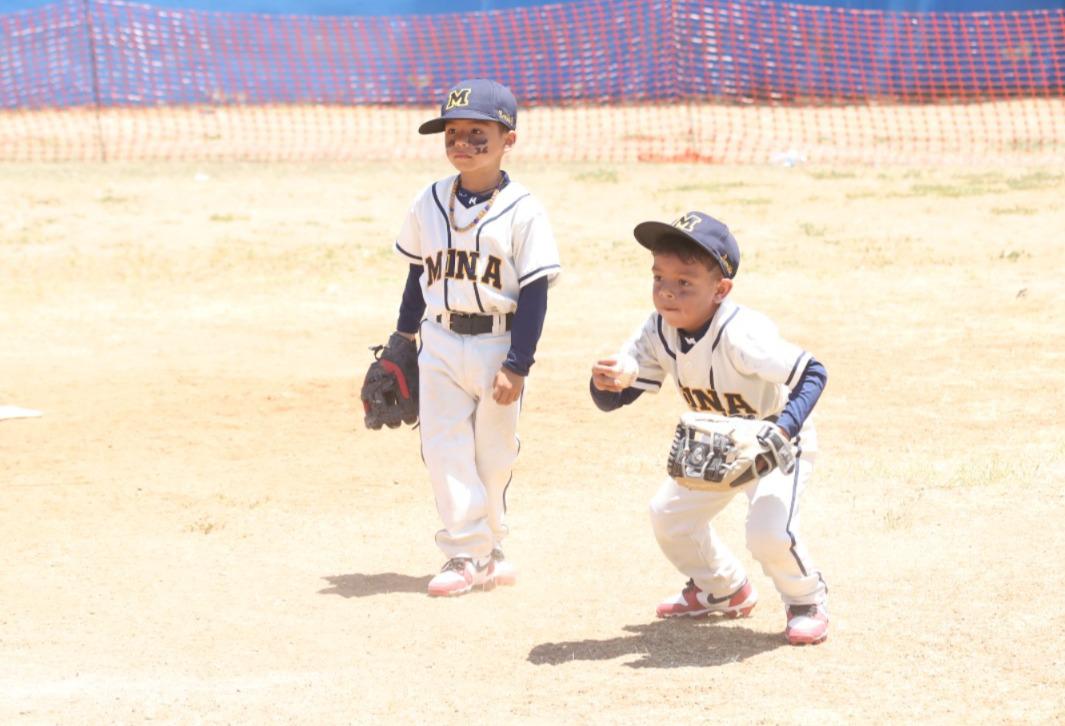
x=390, y=389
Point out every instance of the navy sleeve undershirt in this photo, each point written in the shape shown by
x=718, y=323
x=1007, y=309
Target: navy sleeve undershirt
x=527, y=327
x=610, y=400
x=803, y=397
x=412, y=307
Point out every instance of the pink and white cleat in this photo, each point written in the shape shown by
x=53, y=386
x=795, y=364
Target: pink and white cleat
x=807, y=624
x=459, y=575
x=505, y=572
x=694, y=603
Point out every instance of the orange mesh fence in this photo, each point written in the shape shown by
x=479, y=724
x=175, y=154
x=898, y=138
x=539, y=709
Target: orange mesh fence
x=607, y=81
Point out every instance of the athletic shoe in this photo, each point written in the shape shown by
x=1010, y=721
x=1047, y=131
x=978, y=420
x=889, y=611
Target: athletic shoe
x=505, y=572
x=807, y=624
x=694, y=603
x=459, y=575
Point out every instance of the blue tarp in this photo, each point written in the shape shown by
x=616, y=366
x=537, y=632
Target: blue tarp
x=421, y=7
x=115, y=52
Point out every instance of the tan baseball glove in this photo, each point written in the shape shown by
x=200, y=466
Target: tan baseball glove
x=720, y=453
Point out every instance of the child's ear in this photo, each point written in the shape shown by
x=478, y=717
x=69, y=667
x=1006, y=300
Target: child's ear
x=724, y=287
x=509, y=140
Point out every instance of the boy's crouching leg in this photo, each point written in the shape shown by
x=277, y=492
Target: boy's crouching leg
x=773, y=539
x=784, y=558
x=680, y=519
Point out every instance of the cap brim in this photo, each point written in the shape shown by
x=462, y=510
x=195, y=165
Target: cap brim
x=432, y=127
x=649, y=233
x=436, y=126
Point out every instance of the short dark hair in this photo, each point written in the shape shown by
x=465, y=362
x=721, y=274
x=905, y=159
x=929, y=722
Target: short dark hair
x=502, y=126
x=685, y=250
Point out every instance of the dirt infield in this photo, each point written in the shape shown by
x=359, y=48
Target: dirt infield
x=199, y=530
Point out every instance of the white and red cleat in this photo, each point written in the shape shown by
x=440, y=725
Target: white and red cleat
x=807, y=624
x=694, y=603
x=459, y=575
x=505, y=572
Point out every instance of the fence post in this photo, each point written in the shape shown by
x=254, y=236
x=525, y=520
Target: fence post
x=87, y=11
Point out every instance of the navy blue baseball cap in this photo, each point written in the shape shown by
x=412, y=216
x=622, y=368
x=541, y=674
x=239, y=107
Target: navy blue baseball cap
x=479, y=99
x=698, y=228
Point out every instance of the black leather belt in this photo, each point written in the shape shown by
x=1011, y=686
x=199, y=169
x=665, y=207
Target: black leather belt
x=472, y=323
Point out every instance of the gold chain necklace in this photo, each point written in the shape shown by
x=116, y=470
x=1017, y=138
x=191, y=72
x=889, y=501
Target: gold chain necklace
x=480, y=215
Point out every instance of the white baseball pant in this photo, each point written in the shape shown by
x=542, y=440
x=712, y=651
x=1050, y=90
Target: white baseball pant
x=469, y=442
x=681, y=521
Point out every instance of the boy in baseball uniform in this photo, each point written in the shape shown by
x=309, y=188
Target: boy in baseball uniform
x=729, y=360
x=481, y=257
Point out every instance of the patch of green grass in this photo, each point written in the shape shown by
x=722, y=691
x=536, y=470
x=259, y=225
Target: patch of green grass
x=1027, y=211
x=874, y=254
x=227, y=218
x=706, y=187
x=754, y=201
x=973, y=185
x=204, y=526
x=985, y=178
x=813, y=230
x=1013, y=255
x=833, y=174
x=376, y=252
x=964, y=189
x=601, y=176
x=109, y=198
x=1035, y=180
x=22, y=236
x=993, y=471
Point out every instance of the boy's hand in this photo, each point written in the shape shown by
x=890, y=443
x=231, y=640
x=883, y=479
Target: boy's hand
x=507, y=387
x=612, y=374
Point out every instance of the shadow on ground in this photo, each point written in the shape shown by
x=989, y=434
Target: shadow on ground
x=665, y=644
x=360, y=585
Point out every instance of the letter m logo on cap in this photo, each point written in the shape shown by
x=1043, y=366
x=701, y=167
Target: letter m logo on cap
x=458, y=97
x=687, y=222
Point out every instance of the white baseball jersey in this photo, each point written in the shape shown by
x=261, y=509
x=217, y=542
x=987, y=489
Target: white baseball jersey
x=739, y=367
x=469, y=441
x=483, y=269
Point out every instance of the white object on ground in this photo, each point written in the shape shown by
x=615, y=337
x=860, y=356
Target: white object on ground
x=791, y=157
x=17, y=412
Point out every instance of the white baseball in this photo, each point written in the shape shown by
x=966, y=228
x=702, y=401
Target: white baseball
x=625, y=371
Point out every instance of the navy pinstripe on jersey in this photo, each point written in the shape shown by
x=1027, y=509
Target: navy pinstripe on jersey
x=737, y=366
x=480, y=270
